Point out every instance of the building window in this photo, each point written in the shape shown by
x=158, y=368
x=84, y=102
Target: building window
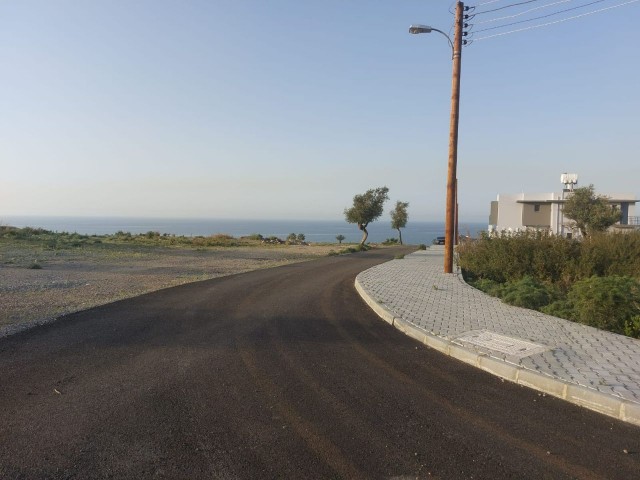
x=536, y=208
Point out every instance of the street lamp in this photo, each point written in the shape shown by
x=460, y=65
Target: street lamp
x=450, y=214
x=416, y=29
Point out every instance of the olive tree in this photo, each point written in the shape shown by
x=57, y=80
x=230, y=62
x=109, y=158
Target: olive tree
x=367, y=208
x=591, y=212
x=399, y=217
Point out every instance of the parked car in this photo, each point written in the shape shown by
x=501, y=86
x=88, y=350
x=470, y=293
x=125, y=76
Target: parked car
x=438, y=241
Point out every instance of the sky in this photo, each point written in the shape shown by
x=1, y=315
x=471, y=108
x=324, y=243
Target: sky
x=282, y=109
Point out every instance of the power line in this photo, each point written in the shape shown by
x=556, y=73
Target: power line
x=556, y=21
x=524, y=12
x=507, y=6
x=540, y=17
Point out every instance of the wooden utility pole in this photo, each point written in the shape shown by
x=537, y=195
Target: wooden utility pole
x=456, y=232
x=453, y=142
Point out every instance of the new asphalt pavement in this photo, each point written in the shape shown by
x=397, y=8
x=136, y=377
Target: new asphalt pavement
x=278, y=373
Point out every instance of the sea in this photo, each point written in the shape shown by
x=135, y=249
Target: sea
x=324, y=231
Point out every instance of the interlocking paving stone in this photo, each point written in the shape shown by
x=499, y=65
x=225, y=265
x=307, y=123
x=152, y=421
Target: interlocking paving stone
x=415, y=290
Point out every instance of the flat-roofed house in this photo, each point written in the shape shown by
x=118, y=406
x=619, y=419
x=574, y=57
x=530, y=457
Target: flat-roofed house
x=543, y=211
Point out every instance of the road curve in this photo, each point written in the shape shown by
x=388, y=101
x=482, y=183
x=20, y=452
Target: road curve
x=278, y=373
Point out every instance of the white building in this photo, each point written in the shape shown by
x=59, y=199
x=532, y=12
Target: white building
x=543, y=211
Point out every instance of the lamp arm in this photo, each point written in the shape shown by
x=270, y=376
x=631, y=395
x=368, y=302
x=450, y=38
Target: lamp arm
x=447, y=36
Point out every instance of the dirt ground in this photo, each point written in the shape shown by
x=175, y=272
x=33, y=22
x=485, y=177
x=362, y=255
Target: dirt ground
x=38, y=285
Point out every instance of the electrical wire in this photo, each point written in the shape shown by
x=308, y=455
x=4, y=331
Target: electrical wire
x=524, y=12
x=541, y=16
x=507, y=6
x=556, y=21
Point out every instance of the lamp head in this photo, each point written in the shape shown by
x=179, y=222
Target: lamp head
x=415, y=29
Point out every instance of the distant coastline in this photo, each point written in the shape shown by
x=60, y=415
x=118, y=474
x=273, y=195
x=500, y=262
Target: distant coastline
x=314, y=230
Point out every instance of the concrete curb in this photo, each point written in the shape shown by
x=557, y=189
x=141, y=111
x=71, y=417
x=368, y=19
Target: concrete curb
x=610, y=405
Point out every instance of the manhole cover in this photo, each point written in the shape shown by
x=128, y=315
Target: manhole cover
x=501, y=343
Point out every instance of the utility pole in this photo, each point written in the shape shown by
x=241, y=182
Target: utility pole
x=453, y=142
x=456, y=231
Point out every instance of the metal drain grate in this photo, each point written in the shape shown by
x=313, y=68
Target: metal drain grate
x=501, y=343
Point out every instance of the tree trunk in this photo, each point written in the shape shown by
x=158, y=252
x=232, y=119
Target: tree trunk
x=365, y=234
x=400, y=235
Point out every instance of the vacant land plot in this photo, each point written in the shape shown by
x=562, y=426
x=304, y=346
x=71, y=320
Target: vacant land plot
x=39, y=283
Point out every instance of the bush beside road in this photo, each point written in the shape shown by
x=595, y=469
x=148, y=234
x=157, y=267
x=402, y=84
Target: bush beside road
x=595, y=281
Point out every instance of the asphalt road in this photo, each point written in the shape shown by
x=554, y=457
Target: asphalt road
x=279, y=373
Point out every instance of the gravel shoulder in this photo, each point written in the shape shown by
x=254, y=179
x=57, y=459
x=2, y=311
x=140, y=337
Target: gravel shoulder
x=71, y=280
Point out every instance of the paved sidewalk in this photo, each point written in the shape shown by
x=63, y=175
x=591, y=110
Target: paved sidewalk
x=596, y=369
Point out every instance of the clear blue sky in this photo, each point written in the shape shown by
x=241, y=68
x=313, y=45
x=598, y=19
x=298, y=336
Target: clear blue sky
x=286, y=109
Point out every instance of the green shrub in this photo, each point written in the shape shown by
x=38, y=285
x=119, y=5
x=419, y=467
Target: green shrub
x=51, y=244
x=526, y=293
x=120, y=235
x=560, y=308
x=593, y=281
x=549, y=258
x=422, y=246
x=509, y=257
x=610, y=254
x=390, y=241
x=632, y=327
x=296, y=239
x=610, y=303
x=6, y=230
x=25, y=233
x=488, y=286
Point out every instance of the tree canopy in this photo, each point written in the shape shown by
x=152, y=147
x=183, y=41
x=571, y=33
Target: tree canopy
x=591, y=212
x=367, y=208
x=399, y=217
